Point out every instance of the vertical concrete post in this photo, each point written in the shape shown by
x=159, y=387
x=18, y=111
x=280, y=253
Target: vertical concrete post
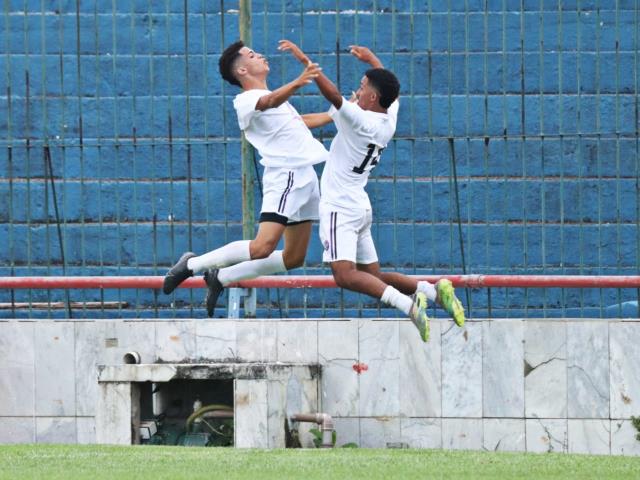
x=248, y=169
x=113, y=415
x=251, y=414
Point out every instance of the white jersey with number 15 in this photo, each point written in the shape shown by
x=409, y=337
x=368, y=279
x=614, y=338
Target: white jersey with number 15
x=355, y=150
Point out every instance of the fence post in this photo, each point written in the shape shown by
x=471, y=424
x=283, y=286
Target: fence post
x=248, y=175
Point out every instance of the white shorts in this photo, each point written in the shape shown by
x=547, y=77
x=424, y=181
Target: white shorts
x=289, y=195
x=346, y=235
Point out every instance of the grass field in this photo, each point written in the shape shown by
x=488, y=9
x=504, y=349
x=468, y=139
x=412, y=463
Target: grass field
x=103, y=462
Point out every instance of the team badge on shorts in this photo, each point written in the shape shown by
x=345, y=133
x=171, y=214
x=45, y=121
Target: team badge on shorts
x=326, y=245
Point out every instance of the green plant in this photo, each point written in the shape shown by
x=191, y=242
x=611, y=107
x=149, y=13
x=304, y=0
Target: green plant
x=317, y=439
x=635, y=421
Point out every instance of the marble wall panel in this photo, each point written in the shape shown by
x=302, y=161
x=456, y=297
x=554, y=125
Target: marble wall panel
x=379, y=383
x=55, y=373
x=462, y=370
x=251, y=414
x=17, y=391
x=623, y=438
x=17, y=430
x=216, y=340
x=588, y=369
x=504, y=435
x=340, y=388
x=502, y=361
x=120, y=337
x=17, y=368
x=589, y=436
x=545, y=369
x=379, y=432
x=176, y=340
x=338, y=340
x=624, y=338
x=347, y=430
x=56, y=430
x=420, y=371
x=276, y=413
x=113, y=414
x=297, y=341
x=547, y=435
x=88, y=344
x=17, y=347
x=421, y=432
x=257, y=341
x=462, y=433
x=86, y=430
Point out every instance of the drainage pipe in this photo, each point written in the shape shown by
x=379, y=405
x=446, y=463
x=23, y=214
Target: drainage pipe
x=324, y=420
x=131, y=358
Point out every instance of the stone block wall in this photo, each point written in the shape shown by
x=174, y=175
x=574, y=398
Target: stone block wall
x=520, y=385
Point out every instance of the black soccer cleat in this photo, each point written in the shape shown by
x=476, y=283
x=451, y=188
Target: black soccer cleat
x=177, y=274
x=214, y=289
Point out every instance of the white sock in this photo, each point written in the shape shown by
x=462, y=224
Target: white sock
x=229, y=254
x=393, y=297
x=253, y=268
x=429, y=289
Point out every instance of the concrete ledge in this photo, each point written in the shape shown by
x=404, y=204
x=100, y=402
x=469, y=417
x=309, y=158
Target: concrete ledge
x=205, y=371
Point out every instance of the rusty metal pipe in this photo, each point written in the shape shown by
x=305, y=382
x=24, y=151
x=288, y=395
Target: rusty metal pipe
x=324, y=420
x=325, y=281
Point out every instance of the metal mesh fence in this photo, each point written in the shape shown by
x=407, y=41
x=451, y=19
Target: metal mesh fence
x=516, y=149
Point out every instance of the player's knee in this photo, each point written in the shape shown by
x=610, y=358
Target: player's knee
x=342, y=278
x=377, y=274
x=262, y=249
x=293, y=260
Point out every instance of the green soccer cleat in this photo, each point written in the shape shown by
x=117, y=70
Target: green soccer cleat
x=419, y=316
x=448, y=300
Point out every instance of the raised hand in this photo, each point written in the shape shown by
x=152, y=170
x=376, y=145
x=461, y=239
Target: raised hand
x=365, y=55
x=289, y=46
x=309, y=74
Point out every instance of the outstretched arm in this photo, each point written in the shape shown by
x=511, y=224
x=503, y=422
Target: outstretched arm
x=282, y=94
x=326, y=86
x=365, y=55
x=314, y=120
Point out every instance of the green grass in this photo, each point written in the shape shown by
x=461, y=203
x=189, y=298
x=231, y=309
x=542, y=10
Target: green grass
x=104, y=462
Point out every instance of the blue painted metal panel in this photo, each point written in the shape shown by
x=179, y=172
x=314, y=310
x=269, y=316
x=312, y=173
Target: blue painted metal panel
x=535, y=102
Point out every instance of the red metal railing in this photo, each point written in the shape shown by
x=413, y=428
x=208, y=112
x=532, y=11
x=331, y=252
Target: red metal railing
x=325, y=281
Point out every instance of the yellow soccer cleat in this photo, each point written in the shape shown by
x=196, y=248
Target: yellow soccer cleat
x=419, y=316
x=448, y=300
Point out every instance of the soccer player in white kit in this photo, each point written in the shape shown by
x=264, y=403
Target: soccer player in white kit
x=364, y=129
x=290, y=185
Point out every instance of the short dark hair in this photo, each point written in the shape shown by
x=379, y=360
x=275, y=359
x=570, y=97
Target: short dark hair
x=227, y=59
x=386, y=83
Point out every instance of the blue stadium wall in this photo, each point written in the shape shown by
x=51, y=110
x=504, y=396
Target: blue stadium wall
x=516, y=150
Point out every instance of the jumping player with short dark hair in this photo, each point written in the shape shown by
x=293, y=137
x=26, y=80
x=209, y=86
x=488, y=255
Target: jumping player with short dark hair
x=290, y=185
x=364, y=129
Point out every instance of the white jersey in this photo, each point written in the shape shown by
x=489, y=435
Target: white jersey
x=355, y=150
x=279, y=134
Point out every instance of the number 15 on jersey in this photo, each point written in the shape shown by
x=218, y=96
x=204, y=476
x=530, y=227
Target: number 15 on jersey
x=373, y=156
